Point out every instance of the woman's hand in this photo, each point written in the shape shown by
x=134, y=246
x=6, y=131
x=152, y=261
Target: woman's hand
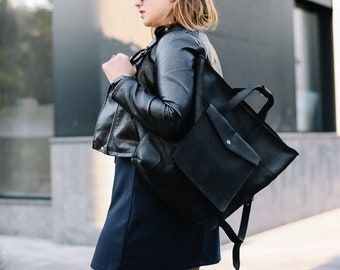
x=117, y=66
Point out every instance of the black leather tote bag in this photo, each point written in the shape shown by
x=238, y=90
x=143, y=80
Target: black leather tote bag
x=227, y=124
x=229, y=155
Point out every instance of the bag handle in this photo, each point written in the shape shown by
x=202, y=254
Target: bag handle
x=243, y=93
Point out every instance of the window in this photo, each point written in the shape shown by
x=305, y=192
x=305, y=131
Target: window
x=26, y=105
x=314, y=68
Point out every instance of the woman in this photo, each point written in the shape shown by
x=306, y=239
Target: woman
x=140, y=231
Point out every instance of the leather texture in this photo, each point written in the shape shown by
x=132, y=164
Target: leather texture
x=159, y=98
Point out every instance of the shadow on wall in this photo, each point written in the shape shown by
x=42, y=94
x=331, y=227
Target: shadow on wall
x=109, y=47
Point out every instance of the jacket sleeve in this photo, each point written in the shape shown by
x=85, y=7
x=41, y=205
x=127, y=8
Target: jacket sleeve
x=168, y=112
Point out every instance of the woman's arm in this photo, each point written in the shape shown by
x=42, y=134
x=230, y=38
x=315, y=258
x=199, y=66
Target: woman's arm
x=168, y=113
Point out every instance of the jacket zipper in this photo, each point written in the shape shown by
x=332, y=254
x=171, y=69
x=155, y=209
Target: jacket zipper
x=104, y=148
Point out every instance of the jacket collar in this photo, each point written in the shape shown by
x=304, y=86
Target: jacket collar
x=160, y=31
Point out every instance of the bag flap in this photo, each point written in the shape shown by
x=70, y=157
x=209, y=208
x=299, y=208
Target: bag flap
x=215, y=158
x=230, y=138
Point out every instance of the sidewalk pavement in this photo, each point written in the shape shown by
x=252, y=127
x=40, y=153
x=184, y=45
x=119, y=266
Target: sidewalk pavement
x=309, y=244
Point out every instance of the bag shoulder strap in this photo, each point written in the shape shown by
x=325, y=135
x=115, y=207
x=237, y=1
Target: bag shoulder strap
x=159, y=33
x=138, y=56
x=237, y=239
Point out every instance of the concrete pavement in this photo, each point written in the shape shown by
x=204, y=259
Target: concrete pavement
x=309, y=244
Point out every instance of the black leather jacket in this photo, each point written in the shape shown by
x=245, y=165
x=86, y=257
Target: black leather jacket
x=159, y=98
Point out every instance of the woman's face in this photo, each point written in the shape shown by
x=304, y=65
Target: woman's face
x=154, y=12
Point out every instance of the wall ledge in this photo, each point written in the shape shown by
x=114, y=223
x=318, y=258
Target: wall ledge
x=79, y=139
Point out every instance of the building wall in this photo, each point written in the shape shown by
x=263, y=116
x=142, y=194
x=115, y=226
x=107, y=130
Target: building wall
x=75, y=67
x=81, y=187
x=26, y=217
x=255, y=43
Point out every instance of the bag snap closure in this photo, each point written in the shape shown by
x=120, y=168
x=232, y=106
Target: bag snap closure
x=228, y=141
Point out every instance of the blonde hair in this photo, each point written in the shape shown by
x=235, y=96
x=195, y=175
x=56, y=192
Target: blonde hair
x=194, y=14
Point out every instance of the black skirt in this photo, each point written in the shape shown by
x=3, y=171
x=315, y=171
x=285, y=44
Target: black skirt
x=141, y=232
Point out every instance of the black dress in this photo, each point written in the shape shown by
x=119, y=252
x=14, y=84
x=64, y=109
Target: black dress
x=141, y=233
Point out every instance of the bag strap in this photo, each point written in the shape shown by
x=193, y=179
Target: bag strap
x=138, y=56
x=243, y=93
x=238, y=239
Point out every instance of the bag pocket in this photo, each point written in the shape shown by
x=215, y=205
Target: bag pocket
x=216, y=158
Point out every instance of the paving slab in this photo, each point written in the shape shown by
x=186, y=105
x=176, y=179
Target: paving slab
x=21, y=253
